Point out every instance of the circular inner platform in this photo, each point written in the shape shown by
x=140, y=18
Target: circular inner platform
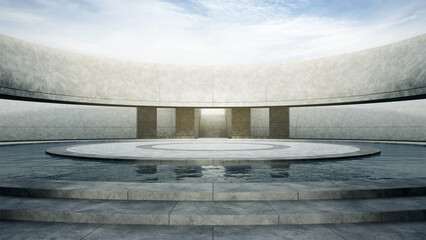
x=214, y=151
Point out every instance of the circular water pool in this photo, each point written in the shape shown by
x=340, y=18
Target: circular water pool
x=31, y=162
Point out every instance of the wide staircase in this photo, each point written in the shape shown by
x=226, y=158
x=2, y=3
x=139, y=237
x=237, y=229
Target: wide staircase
x=214, y=204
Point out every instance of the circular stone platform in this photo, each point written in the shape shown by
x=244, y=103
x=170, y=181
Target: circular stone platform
x=213, y=151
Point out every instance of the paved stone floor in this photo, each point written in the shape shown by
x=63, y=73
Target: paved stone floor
x=44, y=230
x=216, y=150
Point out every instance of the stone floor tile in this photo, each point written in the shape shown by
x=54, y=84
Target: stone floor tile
x=317, y=232
x=150, y=232
x=10, y=230
x=381, y=231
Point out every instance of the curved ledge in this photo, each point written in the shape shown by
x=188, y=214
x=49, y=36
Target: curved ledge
x=215, y=192
x=34, y=72
x=212, y=152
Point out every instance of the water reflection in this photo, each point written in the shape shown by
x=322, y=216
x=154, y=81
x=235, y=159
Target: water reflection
x=236, y=170
x=146, y=169
x=280, y=171
x=264, y=172
x=188, y=172
x=31, y=162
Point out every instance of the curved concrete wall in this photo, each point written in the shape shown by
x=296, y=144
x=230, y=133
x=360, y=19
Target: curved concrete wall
x=404, y=120
x=40, y=73
x=44, y=121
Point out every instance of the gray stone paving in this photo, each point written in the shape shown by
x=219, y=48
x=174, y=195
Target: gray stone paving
x=367, y=231
x=213, y=213
x=214, y=191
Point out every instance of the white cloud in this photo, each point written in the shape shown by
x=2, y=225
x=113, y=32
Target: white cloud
x=207, y=32
x=17, y=16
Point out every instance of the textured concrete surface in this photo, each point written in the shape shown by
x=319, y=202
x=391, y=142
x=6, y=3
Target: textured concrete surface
x=275, y=232
x=44, y=121
x=212, y=151
x=241, y=123
x=214, y=191
x=146, y=122
x=185, y=123
x=172, y=192
x=404, y=120
x=213, y=213
x=166, y=122
x=253, y=192
x=213, y=123
x=223, y=213
x=376, y=231
x=279, y=122
x=38, y=72
x=259, y=121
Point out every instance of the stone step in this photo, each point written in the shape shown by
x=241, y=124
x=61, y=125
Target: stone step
x=44, y=230
x=215, y=191
x=212, y=213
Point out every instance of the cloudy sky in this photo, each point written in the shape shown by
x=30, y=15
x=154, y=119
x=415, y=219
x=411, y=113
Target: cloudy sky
x=219, y=32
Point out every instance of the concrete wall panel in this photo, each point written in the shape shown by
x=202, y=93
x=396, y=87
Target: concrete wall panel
x=185, y=123
x=146, y=122
x=383, y=73
x=166, y=122
x=241, y=123
x=279, y=122
x=259, y=121
x=404, y=120
x=44, y=121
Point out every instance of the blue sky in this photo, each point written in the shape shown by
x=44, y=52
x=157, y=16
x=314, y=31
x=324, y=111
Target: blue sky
x=215, y=32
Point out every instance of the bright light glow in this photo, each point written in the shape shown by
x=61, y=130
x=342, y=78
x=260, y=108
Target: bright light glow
x=218, y=32
x=211, y=111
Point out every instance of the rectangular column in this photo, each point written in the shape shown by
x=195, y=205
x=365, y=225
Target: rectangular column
x=228, y=115
x=241, y=123
x=279, y=122
x=185, y=123
x=166, y=122
x=146, y=123
x=197, y=119
x=259, y=121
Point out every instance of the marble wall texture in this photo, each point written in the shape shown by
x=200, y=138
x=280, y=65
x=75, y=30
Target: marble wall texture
x=404, y=120
x=45, y=121
x=36, y=72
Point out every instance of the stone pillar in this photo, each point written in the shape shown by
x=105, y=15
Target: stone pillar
x=166, y=122
x=241, y=123
x=228, y=116
x=197, y=119
x=185, y=123
x=279, y=122
x=146, y=122
x=259, y=121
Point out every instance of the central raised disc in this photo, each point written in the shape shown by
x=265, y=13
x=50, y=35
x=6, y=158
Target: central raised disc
x=212, y=151
x=213, y=147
